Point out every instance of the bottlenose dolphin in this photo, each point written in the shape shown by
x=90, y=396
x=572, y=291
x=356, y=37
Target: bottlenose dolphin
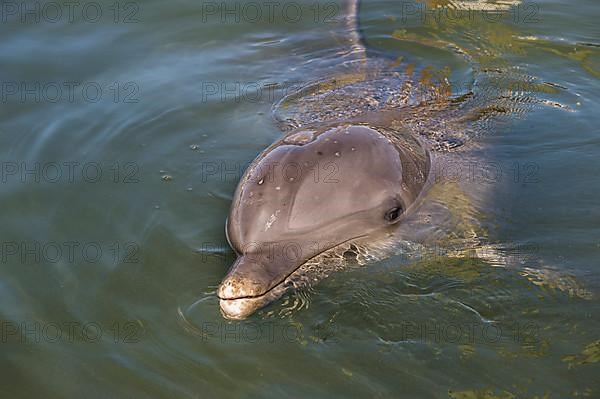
x=351, y=172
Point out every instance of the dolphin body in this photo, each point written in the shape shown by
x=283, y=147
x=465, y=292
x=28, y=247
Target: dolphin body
x=330, y=186
x=334, y=190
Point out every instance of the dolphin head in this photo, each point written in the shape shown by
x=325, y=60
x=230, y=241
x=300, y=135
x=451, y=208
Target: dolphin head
x=309, y=192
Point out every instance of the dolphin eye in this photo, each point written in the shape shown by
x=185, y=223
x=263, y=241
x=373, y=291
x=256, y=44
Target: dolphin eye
x=393, y=214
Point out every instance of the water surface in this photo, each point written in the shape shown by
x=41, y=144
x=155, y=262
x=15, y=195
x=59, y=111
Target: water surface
x=114, y=196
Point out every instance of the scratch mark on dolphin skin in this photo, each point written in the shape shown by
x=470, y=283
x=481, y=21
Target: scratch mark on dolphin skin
x=272, y=219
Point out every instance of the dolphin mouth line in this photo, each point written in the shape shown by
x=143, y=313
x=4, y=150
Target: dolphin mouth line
x=250, y=297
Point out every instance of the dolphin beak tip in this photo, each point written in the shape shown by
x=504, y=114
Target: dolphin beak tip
x=235, y=309
x=235, y=288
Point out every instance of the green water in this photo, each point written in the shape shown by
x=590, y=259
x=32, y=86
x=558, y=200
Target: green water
x=123, y=135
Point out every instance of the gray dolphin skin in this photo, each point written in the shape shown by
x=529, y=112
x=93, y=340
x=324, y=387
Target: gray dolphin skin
x=310, y=192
